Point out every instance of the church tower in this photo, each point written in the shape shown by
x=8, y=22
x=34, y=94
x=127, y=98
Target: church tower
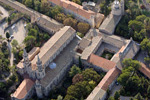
x=116, y=8
x=26, y=62
x=40, y=72
x=38, y=89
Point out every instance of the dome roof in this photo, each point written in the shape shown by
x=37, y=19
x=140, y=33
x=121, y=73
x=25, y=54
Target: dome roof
x=52, y=65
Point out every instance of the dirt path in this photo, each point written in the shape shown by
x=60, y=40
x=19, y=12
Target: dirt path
x=5, y=12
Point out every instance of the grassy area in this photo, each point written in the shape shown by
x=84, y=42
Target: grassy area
x=108, y=55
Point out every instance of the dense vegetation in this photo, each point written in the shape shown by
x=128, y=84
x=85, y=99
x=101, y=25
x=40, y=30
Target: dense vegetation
x=4, y=58
x=6, y=70
x=8, y=87
x=105, y=7
x=132, y=81
x=77, y=85
x=83, y=83
x=34, y=38
x=145, y=45
x=134, y=23
x=43, y=6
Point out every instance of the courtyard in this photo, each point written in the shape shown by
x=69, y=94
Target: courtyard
x=106, y=50
x=18, y=30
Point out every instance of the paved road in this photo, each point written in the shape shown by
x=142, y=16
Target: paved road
x=19, y=31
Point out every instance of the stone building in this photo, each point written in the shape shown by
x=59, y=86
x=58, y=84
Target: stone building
x=111, y=21
x=46, y=23
x=37, y=65
x=94, y=19
x=93, y=45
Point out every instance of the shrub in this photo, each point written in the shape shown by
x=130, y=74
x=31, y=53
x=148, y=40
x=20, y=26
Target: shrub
x=83, y=27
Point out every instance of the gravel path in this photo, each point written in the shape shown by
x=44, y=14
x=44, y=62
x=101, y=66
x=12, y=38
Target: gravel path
x=5, y=12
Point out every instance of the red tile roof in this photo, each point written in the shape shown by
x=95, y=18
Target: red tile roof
x=74, y=7
x=145, y=70
x=23, y=88
x=109, y=78
x=101, y=62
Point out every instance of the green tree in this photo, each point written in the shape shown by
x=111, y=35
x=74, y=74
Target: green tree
x=141, y=18
x=9, y=20
x=29, y=3
x=46, y=36
x=77, y=78
x=80, y=34
x=70, y=22
x=145, y=45
x=148, y=91
x=74, y=70
x=29, y=40
x=60, y=97
x=138, y=97
x=122, y=79
x=33, y=32
x=111, y=98
x=79, y=90
x=80, y=63
x=45, y=6
x=89, y=74
x=37, y=6
x=60, y=17
x=69, y=97
x=55, y=11
x=133, y=63
x=136, y=25
x=14, y=43
x=117, y=95
x=83, y=27
x=77, y=1
x=7, y=35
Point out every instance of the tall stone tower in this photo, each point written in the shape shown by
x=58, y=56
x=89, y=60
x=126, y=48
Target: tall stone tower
x=116, y=8
x=26, y=63
x=38, y=89
x=40, y=73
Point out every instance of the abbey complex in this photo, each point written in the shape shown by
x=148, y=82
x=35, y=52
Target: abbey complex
x=43, y=68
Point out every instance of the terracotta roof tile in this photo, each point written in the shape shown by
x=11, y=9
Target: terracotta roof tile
x=145, y=70
x=101, y=62
x=23, y=88
x=109, y=78
x=74, y=7
x=50, y=48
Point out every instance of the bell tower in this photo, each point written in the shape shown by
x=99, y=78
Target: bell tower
x=38, y=89
x=26, y=62
x=40, y=72
x=116, y=8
